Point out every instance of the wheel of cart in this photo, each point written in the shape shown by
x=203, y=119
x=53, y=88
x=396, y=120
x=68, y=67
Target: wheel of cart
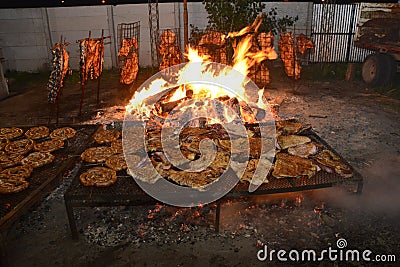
x=379, y=69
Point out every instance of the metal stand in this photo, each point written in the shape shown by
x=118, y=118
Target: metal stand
x=154, y=24
x=84, y=75
x=125, y=192
x=217, y=216
x=127, y=31
x=42, y=181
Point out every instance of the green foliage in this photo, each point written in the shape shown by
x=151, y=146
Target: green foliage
x=233, y=15
x=274, y=24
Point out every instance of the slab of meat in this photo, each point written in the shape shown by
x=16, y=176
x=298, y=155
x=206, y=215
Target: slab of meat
x=170, y=52
x=304, y=43
x=291, y=166
x=129, y=53
x=286, y=141
x=303, y=150
x=91, y=58
x=329, y=161
x=288, y=55
x=60, y=69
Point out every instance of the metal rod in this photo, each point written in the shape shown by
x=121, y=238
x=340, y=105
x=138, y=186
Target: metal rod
x=185, y=26
x=100, y=69
x=59, y=89
x=83, y=76
x=351, y=33
x=105, y=37
x=217, y=215
x=71, y=219
x=360, y=186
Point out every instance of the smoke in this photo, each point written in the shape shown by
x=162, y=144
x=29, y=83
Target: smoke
x=381, y=188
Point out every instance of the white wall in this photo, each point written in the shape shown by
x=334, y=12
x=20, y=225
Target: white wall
x=301, y=9
x=26, y=35
x=23, y=39
x=74, y=23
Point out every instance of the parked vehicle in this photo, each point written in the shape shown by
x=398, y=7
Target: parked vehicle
x=378, y=30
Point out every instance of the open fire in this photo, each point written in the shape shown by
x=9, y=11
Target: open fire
x=208, y=126
x=201, y=81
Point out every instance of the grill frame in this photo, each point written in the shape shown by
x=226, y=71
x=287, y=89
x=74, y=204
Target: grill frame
x=125, y=192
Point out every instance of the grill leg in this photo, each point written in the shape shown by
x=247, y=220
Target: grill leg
x=71, y=220
x=3, y=251
x=360, y=185
x=217, y=216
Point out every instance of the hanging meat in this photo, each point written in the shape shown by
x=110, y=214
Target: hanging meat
x=129, y=54
x=91, y=58
x=170, y=52
x=213, y=44
x=288, y=54
x=264, y=42
x=59, y=70
x=304, y=43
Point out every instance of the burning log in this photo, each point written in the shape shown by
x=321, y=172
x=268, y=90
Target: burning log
x=167, y=107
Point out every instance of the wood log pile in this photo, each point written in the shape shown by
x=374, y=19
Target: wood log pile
x=129, y=54
x=60, y=68
x=169, y=50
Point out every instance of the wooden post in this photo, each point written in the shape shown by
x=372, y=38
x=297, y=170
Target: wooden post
x=294, y=59
x=83, y=78
x=185, y=26
x=59, y=89
x=98, y=79
x=351, y=71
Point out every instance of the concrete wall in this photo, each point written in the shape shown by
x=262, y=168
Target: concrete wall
x=23, y=39
x=74, y=23
x=26, y=35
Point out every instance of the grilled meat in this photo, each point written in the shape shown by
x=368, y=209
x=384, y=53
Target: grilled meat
x=291, y=166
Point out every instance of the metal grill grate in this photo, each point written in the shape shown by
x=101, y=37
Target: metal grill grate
x=14, y=205
x=126, y=192
x=128, y=31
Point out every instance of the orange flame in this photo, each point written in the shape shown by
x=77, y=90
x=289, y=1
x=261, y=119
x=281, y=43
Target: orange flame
x=199, y=76
x=248, y=29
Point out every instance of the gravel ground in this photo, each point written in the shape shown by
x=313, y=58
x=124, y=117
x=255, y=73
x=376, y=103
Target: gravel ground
x=358, y=123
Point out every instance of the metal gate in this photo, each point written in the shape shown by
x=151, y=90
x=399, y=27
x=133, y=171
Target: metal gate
x=333, y=30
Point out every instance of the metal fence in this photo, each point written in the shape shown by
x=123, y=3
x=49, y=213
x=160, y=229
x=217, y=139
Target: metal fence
x=333, y=30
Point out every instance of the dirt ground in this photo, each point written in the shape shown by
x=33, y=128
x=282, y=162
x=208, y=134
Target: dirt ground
x=359, y=123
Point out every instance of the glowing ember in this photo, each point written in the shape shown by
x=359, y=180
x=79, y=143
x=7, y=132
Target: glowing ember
x=196, y=97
